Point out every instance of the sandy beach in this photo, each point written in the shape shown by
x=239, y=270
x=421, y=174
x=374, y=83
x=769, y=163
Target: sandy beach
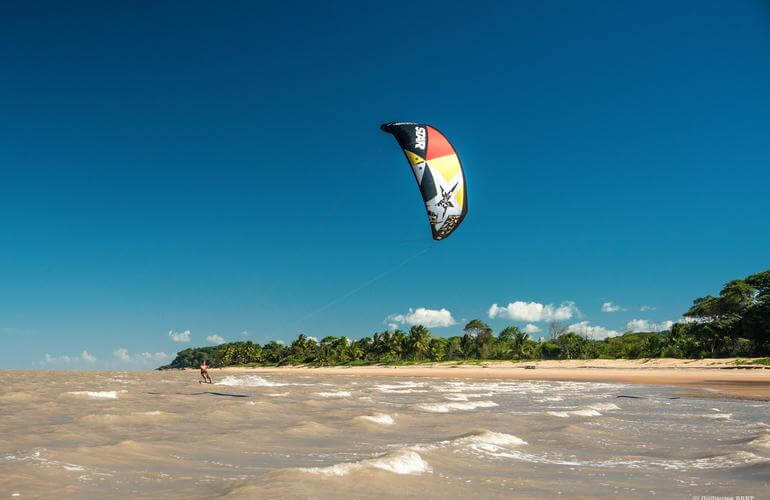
x=716, y=377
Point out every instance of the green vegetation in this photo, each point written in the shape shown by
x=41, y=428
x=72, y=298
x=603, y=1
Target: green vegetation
x=736, y=323
x=763, y=361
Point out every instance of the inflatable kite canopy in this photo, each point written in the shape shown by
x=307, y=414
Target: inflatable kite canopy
x=438, y=172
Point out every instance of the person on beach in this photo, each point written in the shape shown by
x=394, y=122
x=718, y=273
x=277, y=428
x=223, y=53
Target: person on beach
x=205, y=372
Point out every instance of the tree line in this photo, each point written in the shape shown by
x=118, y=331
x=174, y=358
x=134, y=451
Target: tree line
x=735, y=323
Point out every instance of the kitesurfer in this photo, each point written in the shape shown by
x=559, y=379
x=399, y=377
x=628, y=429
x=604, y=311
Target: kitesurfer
x=205, y=372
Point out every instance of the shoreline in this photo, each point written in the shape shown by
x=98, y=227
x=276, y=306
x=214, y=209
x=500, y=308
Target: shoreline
x=705, y=378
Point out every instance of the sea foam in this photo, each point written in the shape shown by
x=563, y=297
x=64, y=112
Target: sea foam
x=36, y=457
x=96, y=394
x=338, y=394
x=591, y=410
x=482, y=440
x=398, y=462
x=762, y=440
x=466, y=397
x=719, y=416
x=401, y=388
x=447, y=407
x=588, y=412
x=726, y=461
x=489, y=437
x=603, y=406
x=379, y=418
x=248, y=381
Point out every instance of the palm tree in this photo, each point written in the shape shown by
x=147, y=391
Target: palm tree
x=380, y=344
x=397, y=344
x=419, y=341
x=519, y=341
x=438, y=348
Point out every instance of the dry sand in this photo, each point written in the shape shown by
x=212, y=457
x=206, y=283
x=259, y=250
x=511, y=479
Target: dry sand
x=715, y=377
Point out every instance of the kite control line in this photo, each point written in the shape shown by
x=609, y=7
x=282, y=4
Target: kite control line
x=364, y=285
x=441, y=179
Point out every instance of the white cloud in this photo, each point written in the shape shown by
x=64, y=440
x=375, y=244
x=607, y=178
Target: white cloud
x=84, y=357
x=392, y=327
x=56, y=359
x=611, y=307
x=534, y=311
x=215, y=339
x=155, y=356
x=244, y=334
x=647, y=308
x=644, y=325
x=530, y=328
x=430, y=318
x=122, y=354
x=312, y=338
x=179, y=336
x=592, y=331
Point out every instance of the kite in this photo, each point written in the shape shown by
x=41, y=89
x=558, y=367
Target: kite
x=438, y=172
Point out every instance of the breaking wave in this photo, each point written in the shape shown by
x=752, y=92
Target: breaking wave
x=338, y=394
x=591, y=410
x=726, y=461
x=719, y=416
x=397, y=462
x=96, y=394
x=248, y=381
x=379, y=418
x=580, y=413
x=401, y=388
x=448, y=407
x=603, y=406
x=486, y=437
x=762, y=440
x=477, y=441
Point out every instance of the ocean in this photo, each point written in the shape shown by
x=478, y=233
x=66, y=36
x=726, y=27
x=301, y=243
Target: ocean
x=86, y=434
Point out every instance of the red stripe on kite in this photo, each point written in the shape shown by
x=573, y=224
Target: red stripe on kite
x=438, y=145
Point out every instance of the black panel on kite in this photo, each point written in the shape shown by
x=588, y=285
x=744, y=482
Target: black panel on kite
x=438, y=172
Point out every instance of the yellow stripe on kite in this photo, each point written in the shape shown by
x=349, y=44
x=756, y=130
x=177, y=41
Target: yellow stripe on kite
x=448, y=166
x=413, y=158
x=460, y=196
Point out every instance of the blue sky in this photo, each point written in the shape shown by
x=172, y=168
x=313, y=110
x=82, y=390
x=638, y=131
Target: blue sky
x=218, y=169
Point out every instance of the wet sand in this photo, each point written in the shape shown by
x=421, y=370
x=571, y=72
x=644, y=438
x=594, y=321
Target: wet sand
x=716, y=377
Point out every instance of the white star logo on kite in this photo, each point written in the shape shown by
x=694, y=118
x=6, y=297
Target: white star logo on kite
x=445, y=202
